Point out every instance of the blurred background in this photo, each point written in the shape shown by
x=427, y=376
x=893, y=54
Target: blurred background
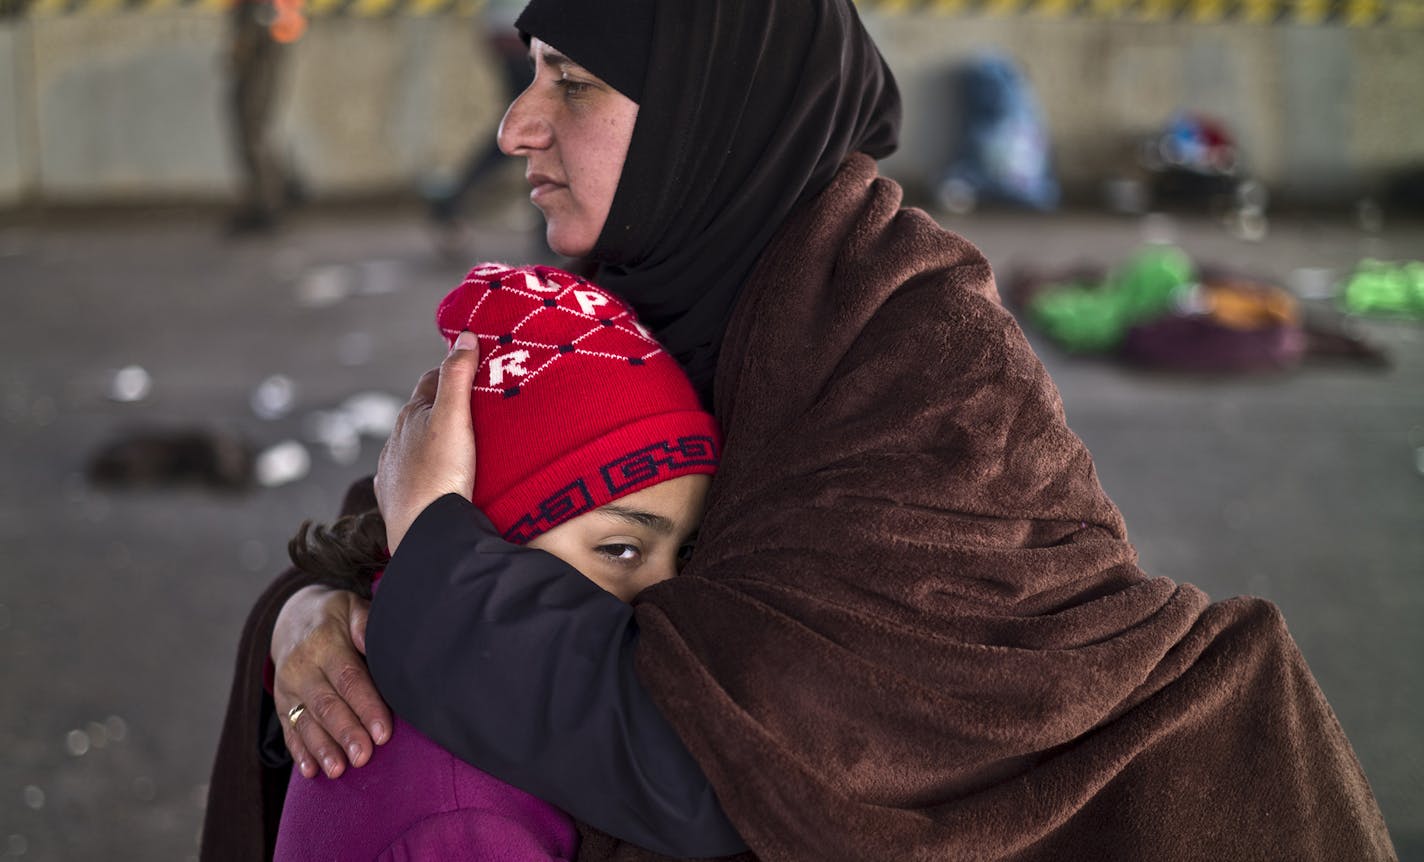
x=224, y=229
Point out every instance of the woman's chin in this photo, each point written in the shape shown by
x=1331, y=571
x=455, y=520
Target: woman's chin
x=561, y=243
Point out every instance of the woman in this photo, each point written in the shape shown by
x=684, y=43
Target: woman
x=914, y=627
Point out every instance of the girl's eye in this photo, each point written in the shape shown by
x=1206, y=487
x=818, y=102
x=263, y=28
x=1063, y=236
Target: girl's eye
x=623, y=553
x=687, y=549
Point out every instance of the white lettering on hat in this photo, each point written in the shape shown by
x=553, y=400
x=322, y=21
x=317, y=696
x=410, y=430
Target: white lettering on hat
x=535, y=283
x=508, y=363
x=589, y=300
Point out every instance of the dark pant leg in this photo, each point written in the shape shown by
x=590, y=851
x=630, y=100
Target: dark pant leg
x=257, y=61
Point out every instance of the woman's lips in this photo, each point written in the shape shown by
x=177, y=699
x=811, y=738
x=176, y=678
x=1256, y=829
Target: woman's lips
x=543, y=186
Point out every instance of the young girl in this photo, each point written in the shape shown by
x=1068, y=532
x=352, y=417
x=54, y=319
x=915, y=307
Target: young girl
x=592, y=447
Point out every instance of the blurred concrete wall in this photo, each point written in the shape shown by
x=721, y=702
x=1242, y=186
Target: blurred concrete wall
x=133, y=107
x=116, y=106
x=1321, y=112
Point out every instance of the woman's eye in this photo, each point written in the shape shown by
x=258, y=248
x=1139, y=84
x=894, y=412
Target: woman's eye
x=621, y=552
x=573, y=88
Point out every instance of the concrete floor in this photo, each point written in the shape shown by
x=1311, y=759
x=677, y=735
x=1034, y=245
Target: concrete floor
x=119, y=611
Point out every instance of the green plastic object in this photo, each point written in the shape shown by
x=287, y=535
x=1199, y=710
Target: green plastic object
x=1089, y=318
x=1394, y=289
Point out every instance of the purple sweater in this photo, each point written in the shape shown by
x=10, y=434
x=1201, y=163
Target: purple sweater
x=414, y=801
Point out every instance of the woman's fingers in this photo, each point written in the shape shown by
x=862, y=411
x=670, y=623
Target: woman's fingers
x=425, y=388
x=431, y=450
x=360, y=612
x=319, y=669
x=452, y=394
x=331, y=731
x=300, y=687
x=360, y=692
x=327, y=733
x=304, y=761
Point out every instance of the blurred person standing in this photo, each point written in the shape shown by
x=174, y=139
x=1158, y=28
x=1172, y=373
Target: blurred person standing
x=446, y=202
x=261, y=32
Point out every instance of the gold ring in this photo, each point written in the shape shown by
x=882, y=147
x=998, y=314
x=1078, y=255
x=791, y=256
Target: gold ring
x=295, y=713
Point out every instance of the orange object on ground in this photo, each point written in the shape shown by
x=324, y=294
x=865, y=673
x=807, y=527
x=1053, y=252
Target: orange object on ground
x=1241, y=304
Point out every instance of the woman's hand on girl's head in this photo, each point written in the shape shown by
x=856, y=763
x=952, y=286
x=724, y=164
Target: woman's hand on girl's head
x=317, y=646
x=431, y=451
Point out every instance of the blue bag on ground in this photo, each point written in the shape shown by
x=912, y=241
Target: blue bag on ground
x=1003, y=151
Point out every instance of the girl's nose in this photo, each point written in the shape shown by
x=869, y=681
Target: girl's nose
x=661, y=571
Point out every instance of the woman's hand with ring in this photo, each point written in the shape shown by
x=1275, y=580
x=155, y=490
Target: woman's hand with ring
x=333, y=714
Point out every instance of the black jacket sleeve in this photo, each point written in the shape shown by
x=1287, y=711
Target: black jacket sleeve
x=516, y=663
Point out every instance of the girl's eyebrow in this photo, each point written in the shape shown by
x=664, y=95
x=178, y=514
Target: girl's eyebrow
x=643, y=519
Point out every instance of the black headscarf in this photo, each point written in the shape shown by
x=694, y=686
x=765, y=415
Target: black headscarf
x=609, y=40
x=747, y=108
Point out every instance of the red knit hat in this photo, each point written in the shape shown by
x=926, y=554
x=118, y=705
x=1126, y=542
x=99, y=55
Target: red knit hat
x=574, y=403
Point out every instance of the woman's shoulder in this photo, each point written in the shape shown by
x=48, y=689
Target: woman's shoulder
x=915, y=280
x=856, y=285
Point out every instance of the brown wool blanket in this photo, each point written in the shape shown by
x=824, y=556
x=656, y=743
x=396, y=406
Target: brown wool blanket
x=914, y=628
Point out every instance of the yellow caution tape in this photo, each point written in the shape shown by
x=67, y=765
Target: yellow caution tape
x=48, y=8
x=1259, y=11
x=1350, y=13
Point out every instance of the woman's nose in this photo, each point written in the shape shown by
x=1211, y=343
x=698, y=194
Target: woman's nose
x=522, y=128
